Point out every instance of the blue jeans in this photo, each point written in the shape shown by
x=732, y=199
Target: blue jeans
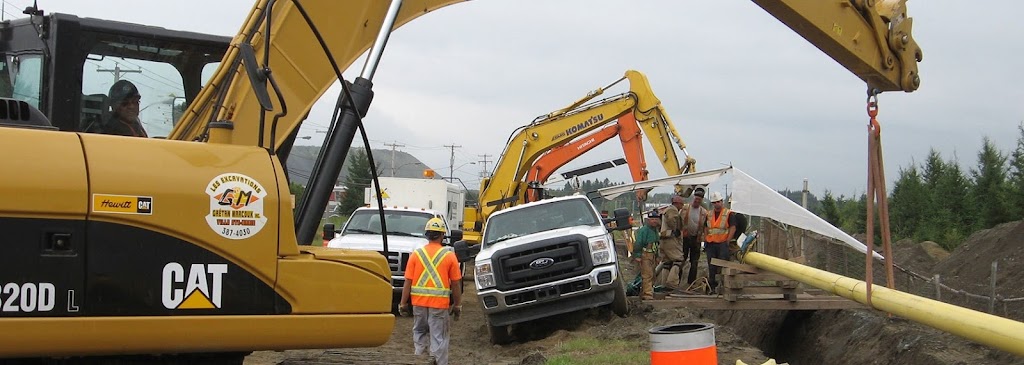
x=715, y=251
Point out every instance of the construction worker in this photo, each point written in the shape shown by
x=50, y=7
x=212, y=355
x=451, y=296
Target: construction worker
x=671, y=243
x=123, y=116
x=644, y=251
x=694, y=218
x=432, y=278
x=721, y=229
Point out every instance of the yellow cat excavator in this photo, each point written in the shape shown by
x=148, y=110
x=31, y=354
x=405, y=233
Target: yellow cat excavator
x=524, y=163
x=188, y=243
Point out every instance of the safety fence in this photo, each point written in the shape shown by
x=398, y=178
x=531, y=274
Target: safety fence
x=834, y=256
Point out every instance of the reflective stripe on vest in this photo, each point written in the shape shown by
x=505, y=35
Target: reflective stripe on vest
x=430, y=274
x=718, y=227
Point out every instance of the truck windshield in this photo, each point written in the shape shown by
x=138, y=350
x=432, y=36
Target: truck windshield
x=539, y=218
x=398, y=222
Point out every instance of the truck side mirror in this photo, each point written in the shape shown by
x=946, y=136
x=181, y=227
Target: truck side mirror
x=328, y=232
x=465, y=253
x=622, y=219
x=455, y=236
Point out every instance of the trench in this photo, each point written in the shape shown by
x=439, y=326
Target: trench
x=852, y=336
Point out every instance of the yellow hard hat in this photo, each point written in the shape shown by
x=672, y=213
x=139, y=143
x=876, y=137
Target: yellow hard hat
x=435, y=224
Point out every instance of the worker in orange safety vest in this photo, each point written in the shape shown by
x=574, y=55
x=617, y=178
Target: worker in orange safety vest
x=432, y=278
x=720, y=230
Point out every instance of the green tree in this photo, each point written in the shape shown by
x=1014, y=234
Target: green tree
x=949, y=216
x=853, y=214
x=358, y=178
x=990, y=188
x=296, y=189
x=829, y=209
x=909, y=195
x=934, y=167
x=1016, y=177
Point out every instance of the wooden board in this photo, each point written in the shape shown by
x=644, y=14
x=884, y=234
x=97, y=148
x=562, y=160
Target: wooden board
x=735, y=265
x=804, y=302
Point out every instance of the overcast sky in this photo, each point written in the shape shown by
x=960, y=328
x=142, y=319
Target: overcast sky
x=740, y=86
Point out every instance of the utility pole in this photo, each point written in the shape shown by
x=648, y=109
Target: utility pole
x=393, y=146
x=451, y=164
x=483, y=173
x=117, y=71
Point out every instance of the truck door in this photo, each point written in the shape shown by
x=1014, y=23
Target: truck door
x=42, y=222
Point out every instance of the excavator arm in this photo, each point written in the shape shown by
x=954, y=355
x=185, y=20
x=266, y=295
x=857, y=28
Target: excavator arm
x=565, y=134
x=300, y=68
x=632, y=148
x=871, y=38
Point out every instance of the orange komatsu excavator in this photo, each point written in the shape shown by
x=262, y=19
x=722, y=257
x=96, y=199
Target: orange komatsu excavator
x=552, y=140
x=625, y=128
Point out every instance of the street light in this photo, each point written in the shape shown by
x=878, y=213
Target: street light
x=399, y=167
x=451, y=174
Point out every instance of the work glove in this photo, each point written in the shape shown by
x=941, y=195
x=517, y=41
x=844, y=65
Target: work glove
x=404, y=310
x=456, y=311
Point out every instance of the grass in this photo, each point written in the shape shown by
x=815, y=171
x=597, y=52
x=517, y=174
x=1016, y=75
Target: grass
x=585, y=351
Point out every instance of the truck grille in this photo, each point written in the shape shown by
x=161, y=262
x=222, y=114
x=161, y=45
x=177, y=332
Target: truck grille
x=561, y=258
x=396, y=261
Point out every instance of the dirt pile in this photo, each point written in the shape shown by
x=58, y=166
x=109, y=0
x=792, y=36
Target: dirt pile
x=970, y=266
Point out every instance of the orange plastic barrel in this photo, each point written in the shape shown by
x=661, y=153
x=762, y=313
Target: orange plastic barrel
x=687, y=343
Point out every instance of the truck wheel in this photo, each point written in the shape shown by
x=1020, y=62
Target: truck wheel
x=620, y=305
x=499, y=334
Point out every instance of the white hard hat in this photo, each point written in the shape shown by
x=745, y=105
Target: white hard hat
x=716, y=196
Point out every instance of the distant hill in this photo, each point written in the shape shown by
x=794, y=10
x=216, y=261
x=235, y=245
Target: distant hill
x=300, y=163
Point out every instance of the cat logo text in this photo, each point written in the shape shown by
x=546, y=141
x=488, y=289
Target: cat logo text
x=197, y=286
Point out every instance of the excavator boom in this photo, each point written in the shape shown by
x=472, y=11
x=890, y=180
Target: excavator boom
x=565, y=134
x=871, y=38
x=300, y=66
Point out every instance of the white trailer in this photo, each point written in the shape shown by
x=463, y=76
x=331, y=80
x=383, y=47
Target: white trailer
x=431, y=194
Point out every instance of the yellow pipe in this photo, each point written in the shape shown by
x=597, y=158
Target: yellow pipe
x=994, y=331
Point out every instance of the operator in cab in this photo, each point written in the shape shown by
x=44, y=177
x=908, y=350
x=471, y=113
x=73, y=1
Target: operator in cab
x=122, y=118
x=433, y=283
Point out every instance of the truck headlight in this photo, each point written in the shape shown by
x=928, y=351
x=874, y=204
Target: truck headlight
x=600, y=250
x=484, y=274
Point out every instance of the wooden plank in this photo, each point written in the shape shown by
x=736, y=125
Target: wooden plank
x=761, y=290
x=735, y=265
x=757, y=304
x=732, y=284
x=759, y=277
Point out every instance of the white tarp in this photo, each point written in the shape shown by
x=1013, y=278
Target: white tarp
x=696, y=178
x=750, y=197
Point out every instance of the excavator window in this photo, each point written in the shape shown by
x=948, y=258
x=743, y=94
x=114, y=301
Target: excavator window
x=21, y=78
x=159, y=86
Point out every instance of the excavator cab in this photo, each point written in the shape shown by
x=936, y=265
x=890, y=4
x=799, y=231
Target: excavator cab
x=120, y=246
x=65, y=65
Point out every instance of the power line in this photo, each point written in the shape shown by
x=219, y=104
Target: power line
x=451, y=166
x=483, y=172
x=117, y=71
x=393, y=146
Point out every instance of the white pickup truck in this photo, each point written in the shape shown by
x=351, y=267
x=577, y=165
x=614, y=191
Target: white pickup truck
x=405, y=233
x=545, y=258
x=408, y=204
